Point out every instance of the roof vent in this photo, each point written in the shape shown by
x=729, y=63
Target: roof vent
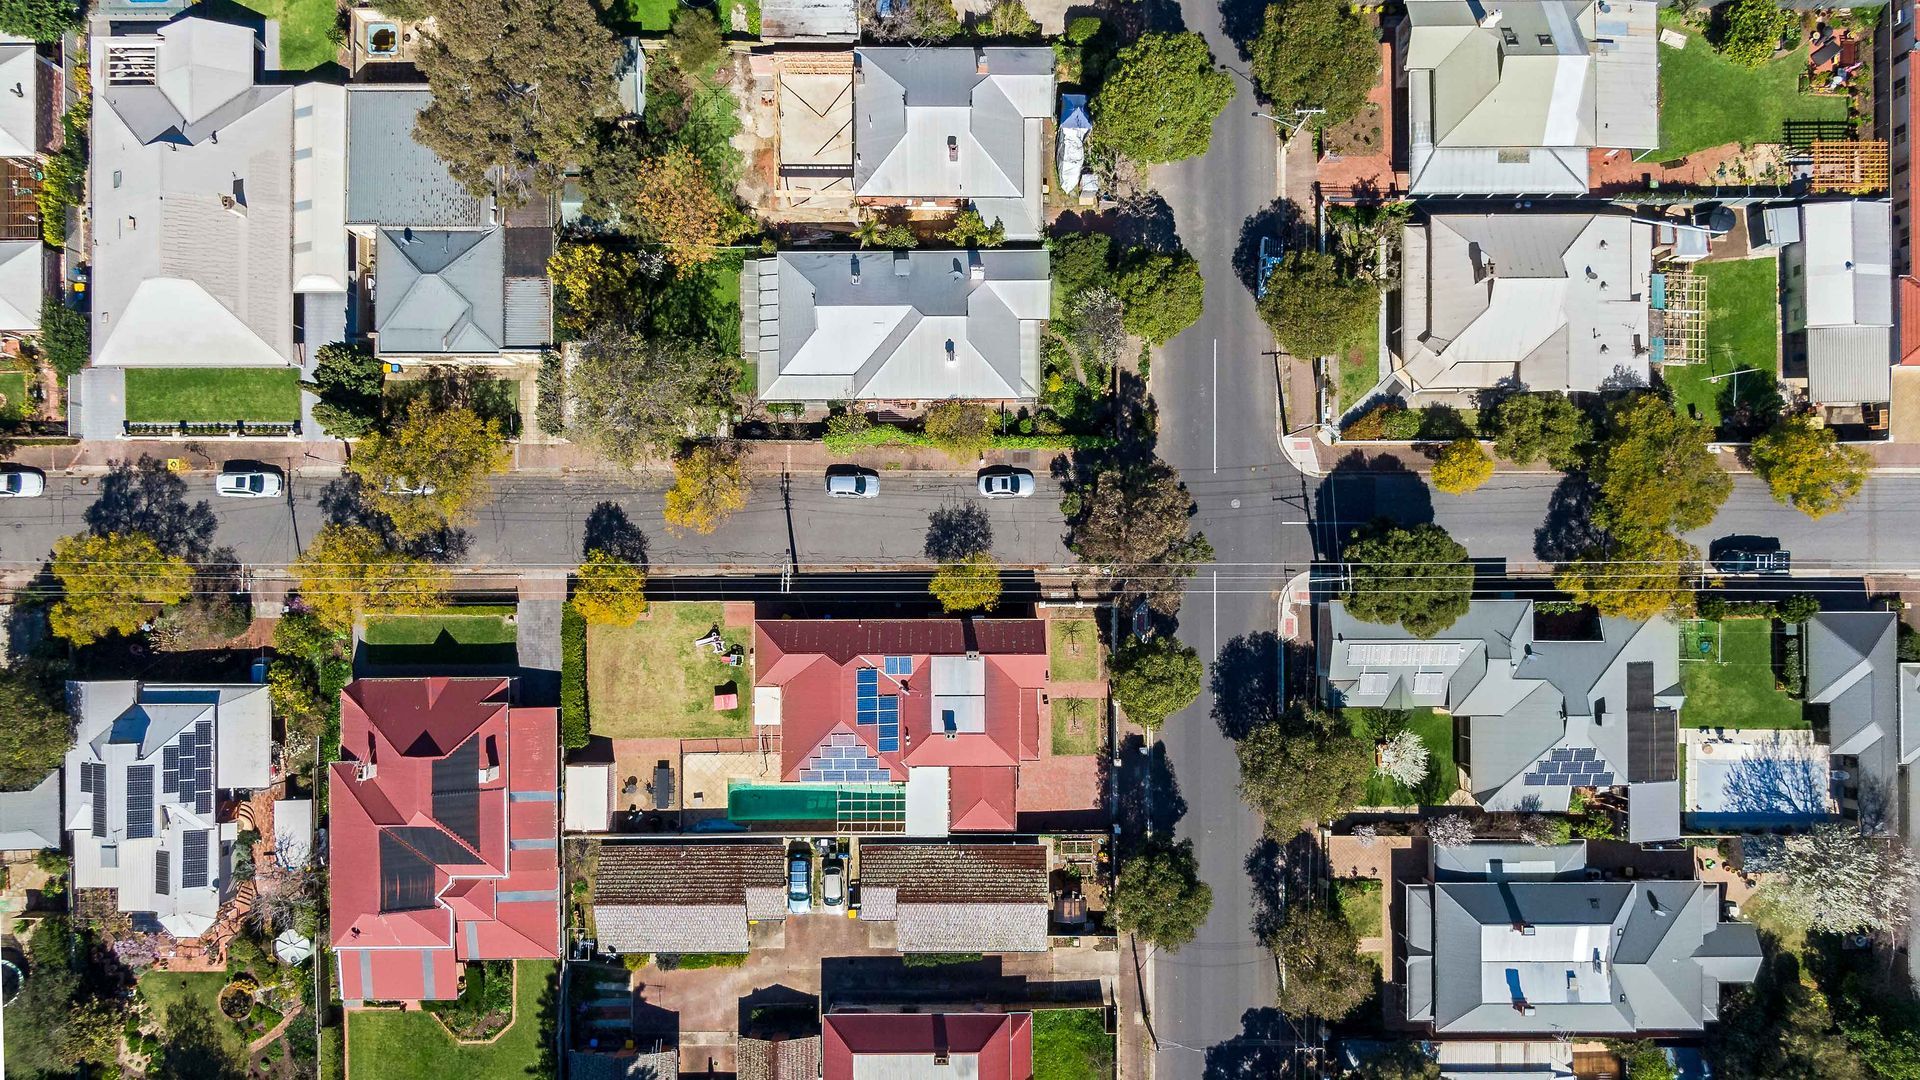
x=1491, y=19
x=976, y=266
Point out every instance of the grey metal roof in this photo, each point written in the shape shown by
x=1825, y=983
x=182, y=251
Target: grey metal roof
x=809, y=20
x=981, y=928
x=440, y=291
x=391, y=178
x=30, y=819
x=1653, y=812
x=1853, y=669
x=1509, y=862
x=1849, y=365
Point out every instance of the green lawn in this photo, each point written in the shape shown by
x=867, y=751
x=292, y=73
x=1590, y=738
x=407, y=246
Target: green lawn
x=413, y=1044
x=1359, y=903
x=1738, y=692
x=1071, y=1044
x=1077, y=725
x=13, y=388
x=651, y=16
x=1436, y=730
x=1743, y=327
x=162, y=990
x=648, y=681
x=1073, y=650
x=1706, y=100
x=455, y=636
x=1359, y=372
x=212, y=395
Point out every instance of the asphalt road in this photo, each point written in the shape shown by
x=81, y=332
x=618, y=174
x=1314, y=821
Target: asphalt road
x=540, y=521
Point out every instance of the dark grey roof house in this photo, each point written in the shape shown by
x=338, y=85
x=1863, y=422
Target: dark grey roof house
x=30, y=819
x=1855, y=677
x=1548, y=703
x=1528, y=945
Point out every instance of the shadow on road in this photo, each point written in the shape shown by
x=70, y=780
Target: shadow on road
x=1245, y=683
x=144, y=497
x=609, y=529
x=1280, y=222
x=1360, y=490
x=1262, y=1050
x=1150, y=797
x=1568, y=530
x=957, y=530
x=342, y=502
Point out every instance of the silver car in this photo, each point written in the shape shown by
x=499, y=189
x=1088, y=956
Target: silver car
x=1006, y=482
x=853, y=483
x=247, y=483
x=21, y=482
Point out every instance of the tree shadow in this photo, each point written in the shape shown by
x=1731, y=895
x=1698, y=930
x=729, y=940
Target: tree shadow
x=1243, y=20
x=609, y=529
x=1568, y=530
x=1266, y=867
x=1246, y=683
x=1361, y=490
x=958, y=530
x=145, y=497
x=1150, y=799
x=549, y=1006
x=342, y=502
x=1281, y=223
x=1264, y=1048
x=779, y=1012
x=1145, y=220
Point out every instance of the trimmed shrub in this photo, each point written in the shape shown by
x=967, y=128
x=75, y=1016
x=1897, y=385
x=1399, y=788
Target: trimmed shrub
x=573, y=678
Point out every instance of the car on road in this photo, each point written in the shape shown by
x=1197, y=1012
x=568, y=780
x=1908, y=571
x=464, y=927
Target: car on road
x=799, y=883
x=833, y=882
x=1748, y=555
x=21, y=482
x=248, y=482
x=853, y=482
x=401, y=485
x=1005, y=482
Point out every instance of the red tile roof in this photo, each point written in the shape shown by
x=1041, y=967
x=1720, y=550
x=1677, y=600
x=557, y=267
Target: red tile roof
x=815, y=663
x=443, y=836
x=1000, y=1043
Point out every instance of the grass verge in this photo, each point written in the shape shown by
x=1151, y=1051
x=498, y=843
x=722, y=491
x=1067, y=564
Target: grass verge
x=1071, y=1044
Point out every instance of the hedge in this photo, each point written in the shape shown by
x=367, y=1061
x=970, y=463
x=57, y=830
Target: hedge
x=573, y=678
x=883, y=435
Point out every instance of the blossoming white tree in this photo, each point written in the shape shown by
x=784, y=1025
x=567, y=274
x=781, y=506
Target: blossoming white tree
x=1403, y=759
x=1836, y=879
x=1454, y=830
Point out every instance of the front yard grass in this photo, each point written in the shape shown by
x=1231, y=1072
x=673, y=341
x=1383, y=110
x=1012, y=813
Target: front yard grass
x=1073, y=650
x=1739, y=691
x=212, y=395
x=1442, y=779
x=1359, y=371
x=1359, y=903
x=1743, y=332
x=387, y=1043
x=1071, y=1044
x=166, y=990
x=13, y=389
x=455, y=636
x=1077, y=725
x=1707, y=100
x=648, y=681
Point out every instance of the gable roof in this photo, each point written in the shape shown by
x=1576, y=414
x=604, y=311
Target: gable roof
x=441, y=291
x=687, y=896
x=392, y=178
x=899, y=325
x=1853, y=668
x=956, y=873
x=30, y=819
x=909, y=1046
x=19, y=100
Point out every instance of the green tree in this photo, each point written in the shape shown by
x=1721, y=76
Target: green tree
x=347, y=379
x=1158, y=894
x=1461, y=467
x=1400, y=1061
x=970, y=230
x=41, y=20
x=1528, y=427
x=66, y=337
x=1159, y=99
x=1153, y=679
x=1417, y=576
x=1296, y=775
x=1806, y=467
x=1639, y=574
x=694, y=44
x=34, y=731
x=518, y=86
x=968, y=584
x=635, y=396
x=1326, y=977
x=1655, y=472
x=1642, y=1060
x=1161, y=294
x=1008, y=20
x=59, y=1024
x=608, y=590
x=1314, y=309
x=349, y=569
x=1317, y=54
x=961, y=428
x=110, y=584
x=431, y=468
x=593, y=286
x=676, y=203
x=1081, y=261
x=1751, y=30
x=1131, y=521
x=709, y=486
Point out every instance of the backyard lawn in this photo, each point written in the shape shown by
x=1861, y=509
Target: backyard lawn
x=652, y=16
x=13, y=389
x=212, y=395
x=478, y=635
x=163, y=990
x=1743, y=320
x=1077, y=725
x=649, y=681
x=1073, y=650
x=1071, y=1044
x=1738, y=691
x=413, y=1044
x=1442, y=780
x=1707, y=100
x=1359, y=902
x=304, y=28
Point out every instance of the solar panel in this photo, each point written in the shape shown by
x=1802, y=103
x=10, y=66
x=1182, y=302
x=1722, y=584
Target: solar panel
x=139, y=802
x=162, y=871
x=406, y=879
x=1584, y=753
x=99, y=799
x=866, y=696
x=203, y=767
x=193, y=859
x=86, y=778
x=899, y=665
x=1560, y=781
x=433, y=844
x=169, y=770
x=866, y=679
x=1536, y=780
x=456, y=792
x=1604, y=779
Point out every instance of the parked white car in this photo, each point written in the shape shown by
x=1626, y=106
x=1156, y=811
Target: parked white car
x=21, y=482
x=1005, y=482
x=249, y=483
x=853, y=483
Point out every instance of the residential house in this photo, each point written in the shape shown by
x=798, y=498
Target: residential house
x=1512, y=99
x=954, y=127
x=1869, y=705
x=444, y=834
x=900, y=326
x=1511, y=940
x=1554, y=301
x=680, y=897
x=443, y=275
x=792, y=1057
x=809, y=22
x=30, y=819
x=982, y=1045
x=146, y=779
x=1542, y=704
x=30, y=89
x=1896, y=120
x=217, y=203
x=947, y=898
x=1836, y=293
x=936, y=714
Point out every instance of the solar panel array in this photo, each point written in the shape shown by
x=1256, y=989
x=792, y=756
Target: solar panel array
x=162, y=871
x=844, y=760
x=203, y=767
x=170, y=769
x=98, y=789
x=456, y=792
x=193, y=859
x=139, y=802
x=406, y=879
x=878, y=709
x=899, y=665
x=1573, y=767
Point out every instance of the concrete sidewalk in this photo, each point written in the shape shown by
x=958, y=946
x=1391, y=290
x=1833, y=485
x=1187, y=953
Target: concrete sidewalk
x=1889, y=458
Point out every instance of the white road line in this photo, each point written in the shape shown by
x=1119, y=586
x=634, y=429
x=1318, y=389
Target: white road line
x=1216, y=613
x=1215, y=394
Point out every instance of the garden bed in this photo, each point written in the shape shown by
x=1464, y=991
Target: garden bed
x=1436, y=732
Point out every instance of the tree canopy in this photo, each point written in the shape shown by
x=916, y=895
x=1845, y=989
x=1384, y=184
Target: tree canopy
x=64, y=1018
x=1806, y=467
x=609, y=590
x=1326, y=975
x=709, y=486
x=594, y=286
x=1153, y=679
x=636, y=397
x=1461, y=467
x=1132, y=520
x=1654, y=470
x=1836, y=879
x=1160, y=98
x=1528, y=427
x=347, y=379
x=1081, y=261
x=350, y=569
x=1400, y=1061
x=111, y=582
x=1417, y=576
x=1159, y=896
x=1749, y=31
x=1161, y=294
x=430, y=468
x=1317, y=54
x=517, y=87
x=34, y=731
x=971, y=583
x=674, y=204
x=1639, y=574
x=41, y=20
x=1296, y=774
x=1316, y=309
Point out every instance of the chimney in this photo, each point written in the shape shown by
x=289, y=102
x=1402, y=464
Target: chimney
x=979, y=61
x=953, y=148
x=941, y=1047
x=854, y=262
x=1490, y=20
x=976, y=267
x=952, y=356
